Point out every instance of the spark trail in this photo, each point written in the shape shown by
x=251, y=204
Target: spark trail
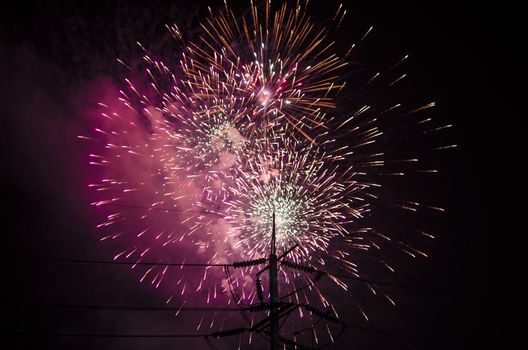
x=202, y=149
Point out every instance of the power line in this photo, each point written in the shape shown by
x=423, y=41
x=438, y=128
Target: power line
x=114, y=335
x=108, y=335
x=273, y=318
x=165, y=309
x=366, y=280
x=148, y=263
x=125, y=307
x=413, y=340
x=349, y=277
x=110, y=262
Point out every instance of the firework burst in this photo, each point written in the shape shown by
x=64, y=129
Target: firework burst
x=267, y=68
x=243, y=128
x=303, y=186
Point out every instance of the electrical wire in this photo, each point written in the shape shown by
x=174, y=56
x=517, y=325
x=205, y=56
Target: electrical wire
x=123, y=307
x=110, y=262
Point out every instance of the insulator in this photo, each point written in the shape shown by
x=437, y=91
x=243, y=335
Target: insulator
x=322, y=314
x=259, y=307
x=229, y=332
x=260, y=292
x=296, y=266
x=249, y=263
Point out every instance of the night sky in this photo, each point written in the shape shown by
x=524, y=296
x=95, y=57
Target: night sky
x=54, y=55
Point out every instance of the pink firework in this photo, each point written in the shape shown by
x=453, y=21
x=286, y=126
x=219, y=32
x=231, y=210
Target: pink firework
x=196, y=158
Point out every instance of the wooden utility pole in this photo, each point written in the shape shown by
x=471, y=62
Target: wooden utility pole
x=274, y=291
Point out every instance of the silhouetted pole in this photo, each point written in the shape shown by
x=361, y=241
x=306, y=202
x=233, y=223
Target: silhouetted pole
x=274, y=292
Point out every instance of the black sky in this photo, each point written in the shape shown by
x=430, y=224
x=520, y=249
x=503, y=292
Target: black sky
x=47, y=57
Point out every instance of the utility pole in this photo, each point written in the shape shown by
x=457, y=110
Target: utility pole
x=277, y=310
x=274, y=291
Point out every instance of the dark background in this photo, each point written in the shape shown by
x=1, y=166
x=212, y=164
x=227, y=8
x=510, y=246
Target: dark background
x=458, y=56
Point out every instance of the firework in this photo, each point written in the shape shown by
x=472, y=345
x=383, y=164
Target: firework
x=202, y=154
x=265, y=69
x=303, y=186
